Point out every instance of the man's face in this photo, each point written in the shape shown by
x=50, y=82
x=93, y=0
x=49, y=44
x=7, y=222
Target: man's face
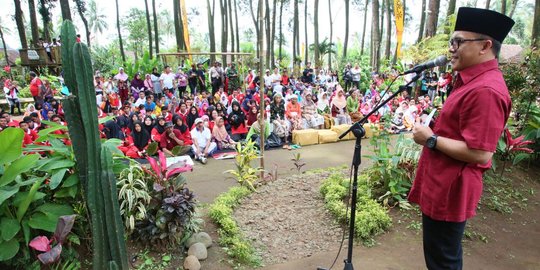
x=3, y=122
x=200, y=125
x=468, y=53
x=24, y=126
x=7, y=117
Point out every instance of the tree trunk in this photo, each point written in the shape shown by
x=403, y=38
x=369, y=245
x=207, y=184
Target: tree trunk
x=257, y=28
x=375, y=42
x=149, y=29
x=431, y=26
x=236, y=26
x=331, y=33
x=66, y=12
x=346, y=41
x=268, y=30
x=120, y=33
x=503, y=7
x=388, y=28
x=230, y=16
x=210, y=14
x=20, y=24
x=514, y=4
x=178, y=26
x=45, y=19
x=316, y=52
x=488, y=3
x=306, y=53
x=273, y=40
x=33, y=22
x=450, y=11
x=535, y=38
x=422, y=22
x=260, y=41
x=5, y=48
x=364, y=28
x=80, y=10
x=295, y=32
x=382, y=12
x=280, y=56
x=225, y=28
x=156, y=32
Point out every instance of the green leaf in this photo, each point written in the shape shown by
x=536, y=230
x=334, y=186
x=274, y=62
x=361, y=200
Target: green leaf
x=10, y=228
x=66, y=192
x=6, y=193
x=47, y=216
x=57, y=164
x=45, y=133
x=18, y=166
x=57, y=177
x=11, y=146
x=519, y=157
x=71, y=181
x=23, y=207
x=19, y=198
x=9, y=249
x=26, y=231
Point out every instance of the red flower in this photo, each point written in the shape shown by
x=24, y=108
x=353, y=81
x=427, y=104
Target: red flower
x=7, y=69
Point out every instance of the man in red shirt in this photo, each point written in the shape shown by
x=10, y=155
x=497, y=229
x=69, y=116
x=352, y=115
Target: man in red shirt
x=30, y=136
x=448, y=182
x=35, y=87
x=10, y=122
x=171, y=138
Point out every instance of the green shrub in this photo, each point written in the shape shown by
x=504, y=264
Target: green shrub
x=371, y=218
x=236, y=246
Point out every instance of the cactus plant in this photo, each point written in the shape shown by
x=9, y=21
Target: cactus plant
x=93, y=160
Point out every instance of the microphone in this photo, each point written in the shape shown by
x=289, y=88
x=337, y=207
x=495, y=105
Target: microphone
x=439, y=61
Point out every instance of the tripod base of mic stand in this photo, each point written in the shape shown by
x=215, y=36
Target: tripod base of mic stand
x=348, y=266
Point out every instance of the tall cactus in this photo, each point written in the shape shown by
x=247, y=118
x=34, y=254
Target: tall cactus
x=93, y=161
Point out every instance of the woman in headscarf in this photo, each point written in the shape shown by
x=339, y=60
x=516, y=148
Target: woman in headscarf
x=252, y=115
x=221, y=137
x=353, y=106
x=155, y=81
x=237, y=120
x=293, y=112
x=192, y=115
x=323, y=105
x=45, y=110
x=339, y=107
x=158, y=129
x=311, y=119
x=122, y=79
x=181, y=126
x=133, y=118
x=138, y=141
x=31, y=108
x=137, y=85
x=148, y=85
x=148, y=124
x=277, y=118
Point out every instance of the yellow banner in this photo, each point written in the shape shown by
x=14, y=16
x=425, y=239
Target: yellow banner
x=185, y=26
x=398, y=14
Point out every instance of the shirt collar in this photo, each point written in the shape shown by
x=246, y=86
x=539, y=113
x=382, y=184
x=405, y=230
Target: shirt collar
x=472, y=72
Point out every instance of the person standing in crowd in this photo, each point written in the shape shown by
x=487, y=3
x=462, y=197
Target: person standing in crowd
x=232, y=76
x=356, y=74
x=201, y=78
x=459, y=148
x=192, y=79
x=148, y=85
x=307, y=74
x=347, y=76
x=215, y=77
x=167, y=79
x=203, y=146
x=122, y=83
x=432, y=85
x=36, y=88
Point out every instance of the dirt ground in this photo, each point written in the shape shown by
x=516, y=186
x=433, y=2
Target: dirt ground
x=494, y=240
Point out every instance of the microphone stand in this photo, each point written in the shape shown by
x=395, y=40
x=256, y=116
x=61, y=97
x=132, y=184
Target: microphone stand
x=359, y=132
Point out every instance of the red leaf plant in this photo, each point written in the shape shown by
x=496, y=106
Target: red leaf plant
x=517, y=144
x=163, y=173
x=42, y=243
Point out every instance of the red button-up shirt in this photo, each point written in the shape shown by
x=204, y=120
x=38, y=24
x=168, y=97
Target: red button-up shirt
x=476, y=112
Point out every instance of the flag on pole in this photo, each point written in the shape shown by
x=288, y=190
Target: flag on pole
x=185, y=26
x=398, y=14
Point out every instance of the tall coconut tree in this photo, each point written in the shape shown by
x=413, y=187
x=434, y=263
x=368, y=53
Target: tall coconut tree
x=96, y=18
x=364, y=27
x=156, y=32
x=388, y=29
x=346, y=41
x=210, y=11
x=66, y=12
x=121, y=43
x=148, y=29
x=296, y=33
x=306, y=53
x=375, y=33
x=236, y=26
x=331, y=33
x=19, y=20
x=316, y=32
x=422, y=22
x=224, y=28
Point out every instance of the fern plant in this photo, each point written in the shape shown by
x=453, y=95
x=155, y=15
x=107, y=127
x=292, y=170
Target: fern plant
x=133, y=196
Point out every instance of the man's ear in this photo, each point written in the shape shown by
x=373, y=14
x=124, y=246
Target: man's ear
x=487, y=47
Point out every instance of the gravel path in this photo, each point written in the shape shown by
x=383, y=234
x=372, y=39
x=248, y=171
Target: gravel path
x=286, y=219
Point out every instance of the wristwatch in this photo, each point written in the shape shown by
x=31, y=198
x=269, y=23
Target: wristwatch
x=431, y=142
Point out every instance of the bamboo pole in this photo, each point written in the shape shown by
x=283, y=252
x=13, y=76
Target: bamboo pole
x=262, y=52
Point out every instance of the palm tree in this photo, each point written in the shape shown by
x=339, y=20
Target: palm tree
x=431, y=26
x=210, y=16
x=345, y=43
x=375, y=32
x=149, y=28
x=81, y=8
x=156, y=32
x=20, y=24
x=2, y=30
x=96, y=19
x=33, y=22
x=316, y=33
x=120, y=33
x=66, y=12
x=325, y=48
x=536, y=26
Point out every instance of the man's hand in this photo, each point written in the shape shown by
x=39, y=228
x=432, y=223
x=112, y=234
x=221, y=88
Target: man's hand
x=421, y=133
x=171, y=135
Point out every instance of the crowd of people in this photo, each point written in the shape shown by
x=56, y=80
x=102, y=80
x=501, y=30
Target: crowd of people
x=176, y=108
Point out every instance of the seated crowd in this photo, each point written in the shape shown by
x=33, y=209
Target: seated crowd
x=160, y=108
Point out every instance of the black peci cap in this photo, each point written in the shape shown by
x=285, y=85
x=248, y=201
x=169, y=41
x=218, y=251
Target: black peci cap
x=484, y=21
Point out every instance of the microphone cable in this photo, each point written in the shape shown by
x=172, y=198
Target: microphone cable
x=343, y=228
